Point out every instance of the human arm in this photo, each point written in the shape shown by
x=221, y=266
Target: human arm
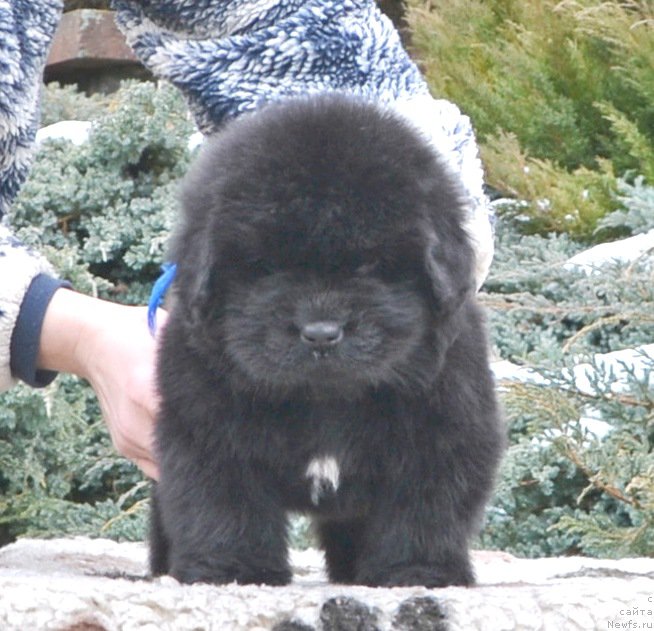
x=109, y=345
x=45, y=328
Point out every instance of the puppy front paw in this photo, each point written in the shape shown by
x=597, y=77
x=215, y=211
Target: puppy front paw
x=241, y=574
x=425, y=575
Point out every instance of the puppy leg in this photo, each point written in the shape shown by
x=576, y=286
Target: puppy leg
x=158, y=541
x=340, y=540
x=414, y=540
x=224, y=529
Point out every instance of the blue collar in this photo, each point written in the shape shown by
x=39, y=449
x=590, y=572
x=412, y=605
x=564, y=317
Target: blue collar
x=159, y=290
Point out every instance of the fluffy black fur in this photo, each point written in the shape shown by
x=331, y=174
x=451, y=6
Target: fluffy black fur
x=324, y=353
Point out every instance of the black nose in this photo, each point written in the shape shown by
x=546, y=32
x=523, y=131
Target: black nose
x=322, y=334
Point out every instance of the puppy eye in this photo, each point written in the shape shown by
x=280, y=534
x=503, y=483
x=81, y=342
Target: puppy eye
x=367, y=268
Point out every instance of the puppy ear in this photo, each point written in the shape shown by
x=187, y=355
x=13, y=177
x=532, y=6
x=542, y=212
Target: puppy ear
x=449, y=265
x=196, y=275
x=200, y=296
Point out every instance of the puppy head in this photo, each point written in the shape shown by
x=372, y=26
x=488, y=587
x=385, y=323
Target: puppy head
x=322, y=247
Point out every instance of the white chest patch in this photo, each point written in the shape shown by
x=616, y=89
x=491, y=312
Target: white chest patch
x=324, y=476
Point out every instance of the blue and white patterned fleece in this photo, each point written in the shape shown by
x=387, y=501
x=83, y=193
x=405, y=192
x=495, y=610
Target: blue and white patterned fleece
x=230, y=56
x=26, y=29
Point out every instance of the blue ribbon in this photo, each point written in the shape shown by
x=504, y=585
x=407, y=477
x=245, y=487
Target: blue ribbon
x=159, y=290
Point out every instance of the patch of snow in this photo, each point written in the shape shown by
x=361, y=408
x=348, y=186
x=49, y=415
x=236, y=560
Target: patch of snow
x=78, y=132
x=593, y=424
x=505, y=370
x=195, y=140
x=624, y=251
x=616, y=368
x=612, y=369
x=74, y=131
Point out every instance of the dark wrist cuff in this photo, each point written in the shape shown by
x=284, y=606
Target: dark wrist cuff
x=26, y=335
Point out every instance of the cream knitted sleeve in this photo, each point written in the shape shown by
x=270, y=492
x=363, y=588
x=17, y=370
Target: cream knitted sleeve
x=18, y=267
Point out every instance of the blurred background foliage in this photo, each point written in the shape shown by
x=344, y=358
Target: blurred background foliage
x=562, y=97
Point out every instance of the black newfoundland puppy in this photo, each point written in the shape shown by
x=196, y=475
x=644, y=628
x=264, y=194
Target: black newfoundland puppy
x=324, y=353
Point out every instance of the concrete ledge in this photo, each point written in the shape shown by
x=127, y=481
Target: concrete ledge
x=98, y=585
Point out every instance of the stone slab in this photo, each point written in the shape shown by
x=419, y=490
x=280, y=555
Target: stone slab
x=98, y=585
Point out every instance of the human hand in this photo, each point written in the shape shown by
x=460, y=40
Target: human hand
x=109, y=345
